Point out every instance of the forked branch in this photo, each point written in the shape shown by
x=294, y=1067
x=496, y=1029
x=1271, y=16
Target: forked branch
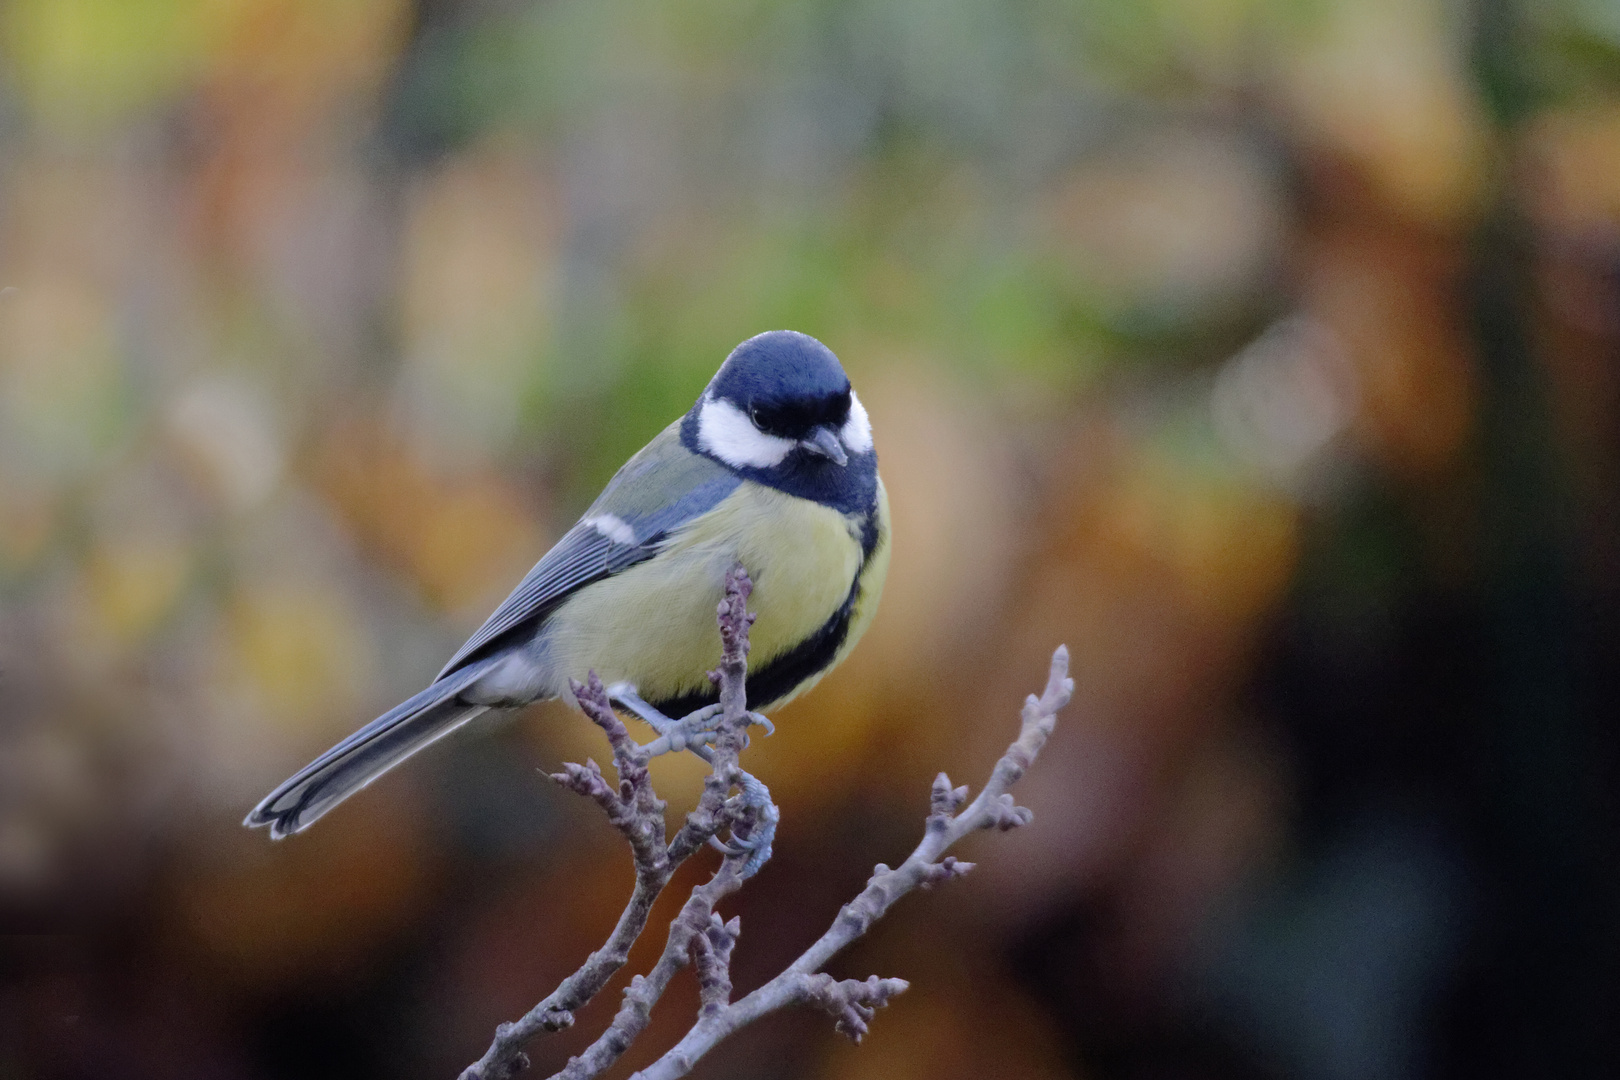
x=698, y=935
x=851, y=1002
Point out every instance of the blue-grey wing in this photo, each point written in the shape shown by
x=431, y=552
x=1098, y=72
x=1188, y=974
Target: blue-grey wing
x=663, y=486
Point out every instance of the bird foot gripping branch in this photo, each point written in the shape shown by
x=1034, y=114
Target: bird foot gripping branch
x=635, y=810
x=716, y=733
x=699, y=936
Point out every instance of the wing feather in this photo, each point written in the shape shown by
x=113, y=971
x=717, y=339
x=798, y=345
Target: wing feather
x=661, y=488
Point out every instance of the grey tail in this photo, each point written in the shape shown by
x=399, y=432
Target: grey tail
x=358, y=760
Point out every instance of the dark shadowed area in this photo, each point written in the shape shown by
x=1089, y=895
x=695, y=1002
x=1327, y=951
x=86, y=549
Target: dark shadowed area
x=1267, y=352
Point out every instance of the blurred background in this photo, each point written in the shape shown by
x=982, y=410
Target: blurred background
x=1264, y=351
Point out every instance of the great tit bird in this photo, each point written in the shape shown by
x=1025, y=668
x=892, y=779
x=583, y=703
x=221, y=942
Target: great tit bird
x=774, y=468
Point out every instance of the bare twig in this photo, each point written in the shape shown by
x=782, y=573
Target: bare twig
x=645, y=990
x=711, y=955
x=635, y=810
x=698, y=935
x=746, y=818
x=853, y=1002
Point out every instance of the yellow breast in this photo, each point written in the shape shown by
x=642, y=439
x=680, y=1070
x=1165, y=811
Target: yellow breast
x=654, y=624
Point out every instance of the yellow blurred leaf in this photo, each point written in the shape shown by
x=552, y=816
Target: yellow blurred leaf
x=84, y=64
x=474, y=308
x=1230, y=545
x=465, y=538
x=1386, y=84
x=133, y=582
x=300, y=649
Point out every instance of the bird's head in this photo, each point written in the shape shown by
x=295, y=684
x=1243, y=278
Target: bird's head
x=782, y=400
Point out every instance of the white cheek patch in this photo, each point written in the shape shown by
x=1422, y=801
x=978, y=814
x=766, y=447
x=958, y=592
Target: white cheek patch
x=727, y=433
x=613, y=527
x=857, y=430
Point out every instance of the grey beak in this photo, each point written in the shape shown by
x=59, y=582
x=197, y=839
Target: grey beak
x=824, y=442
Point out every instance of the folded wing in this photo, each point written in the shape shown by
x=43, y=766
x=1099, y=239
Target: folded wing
x=659, y=489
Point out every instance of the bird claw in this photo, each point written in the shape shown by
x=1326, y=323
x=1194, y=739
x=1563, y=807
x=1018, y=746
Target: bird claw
x=691, y=728
x=688, y=732
x=755, y=848
x=673, y=735
x=760, y=844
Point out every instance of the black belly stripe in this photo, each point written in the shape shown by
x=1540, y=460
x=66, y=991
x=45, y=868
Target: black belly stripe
x=778, y=678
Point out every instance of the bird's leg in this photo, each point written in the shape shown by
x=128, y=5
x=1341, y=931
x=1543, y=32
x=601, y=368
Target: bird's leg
x=677, y=735
x=672, y=734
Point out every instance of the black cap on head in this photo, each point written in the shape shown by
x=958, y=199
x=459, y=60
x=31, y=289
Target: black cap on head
x=788, y=381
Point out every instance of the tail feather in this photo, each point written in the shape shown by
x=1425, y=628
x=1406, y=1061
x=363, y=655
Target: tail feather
x=367, y=754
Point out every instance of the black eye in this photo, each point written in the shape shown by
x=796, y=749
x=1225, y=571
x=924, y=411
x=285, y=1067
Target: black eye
x=754, y=415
